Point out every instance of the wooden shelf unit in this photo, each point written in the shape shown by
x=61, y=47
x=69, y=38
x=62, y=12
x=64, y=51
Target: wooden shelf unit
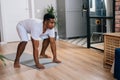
x=111, y=41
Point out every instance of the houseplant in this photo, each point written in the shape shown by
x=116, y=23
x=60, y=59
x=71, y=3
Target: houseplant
x=51, y=10
x=2, y=59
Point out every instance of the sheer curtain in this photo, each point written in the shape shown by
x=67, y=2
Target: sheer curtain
x=108, y=6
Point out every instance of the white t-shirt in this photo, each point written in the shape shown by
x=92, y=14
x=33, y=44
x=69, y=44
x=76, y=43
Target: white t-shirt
x=35, y=28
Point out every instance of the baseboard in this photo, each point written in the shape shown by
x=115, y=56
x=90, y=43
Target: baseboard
x=1, y=43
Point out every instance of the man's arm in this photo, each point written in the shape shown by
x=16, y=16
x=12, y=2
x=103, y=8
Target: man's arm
x=35, y=44
x=53, y=49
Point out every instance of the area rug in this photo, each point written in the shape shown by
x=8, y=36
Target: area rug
x=27, y=59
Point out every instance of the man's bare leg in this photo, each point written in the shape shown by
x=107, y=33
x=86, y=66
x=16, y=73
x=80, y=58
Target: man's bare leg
x=44, y=47
x=53, y=48
x=20, y=49
x=35, y=44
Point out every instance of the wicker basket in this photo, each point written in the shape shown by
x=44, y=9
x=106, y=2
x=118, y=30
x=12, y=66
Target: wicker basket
x=111, y=41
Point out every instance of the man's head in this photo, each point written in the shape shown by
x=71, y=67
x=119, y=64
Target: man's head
x=49, y=20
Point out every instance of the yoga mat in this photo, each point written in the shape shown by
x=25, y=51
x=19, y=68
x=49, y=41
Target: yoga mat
x=27, y=59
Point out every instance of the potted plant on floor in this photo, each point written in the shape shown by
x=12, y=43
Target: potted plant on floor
x=2, y=59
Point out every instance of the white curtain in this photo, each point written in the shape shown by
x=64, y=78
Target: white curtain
x=108, y=5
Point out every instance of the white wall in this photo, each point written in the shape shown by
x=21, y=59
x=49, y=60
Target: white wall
x=41, y=5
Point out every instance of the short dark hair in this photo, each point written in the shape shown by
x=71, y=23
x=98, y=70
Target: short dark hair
x=48, y=16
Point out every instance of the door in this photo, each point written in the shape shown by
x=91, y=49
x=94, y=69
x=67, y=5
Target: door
x=100, y=21
x=12, y=12
x=75, y=26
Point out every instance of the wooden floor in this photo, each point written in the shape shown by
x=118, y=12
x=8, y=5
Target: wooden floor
x=78, y=63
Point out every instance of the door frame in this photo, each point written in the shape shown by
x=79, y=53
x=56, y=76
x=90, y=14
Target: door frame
x=88, y=25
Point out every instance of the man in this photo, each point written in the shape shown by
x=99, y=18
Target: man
x=36, y=29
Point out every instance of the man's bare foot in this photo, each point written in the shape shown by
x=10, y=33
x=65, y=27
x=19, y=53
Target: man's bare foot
x=44, y=56
x=56, y=61
x=40, y=66
x=16, y=65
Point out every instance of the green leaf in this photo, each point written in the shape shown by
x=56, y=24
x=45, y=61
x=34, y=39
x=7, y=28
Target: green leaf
x=2, y=59
x=50, y=10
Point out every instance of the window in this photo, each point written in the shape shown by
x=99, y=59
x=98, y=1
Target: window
x=92, y=5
